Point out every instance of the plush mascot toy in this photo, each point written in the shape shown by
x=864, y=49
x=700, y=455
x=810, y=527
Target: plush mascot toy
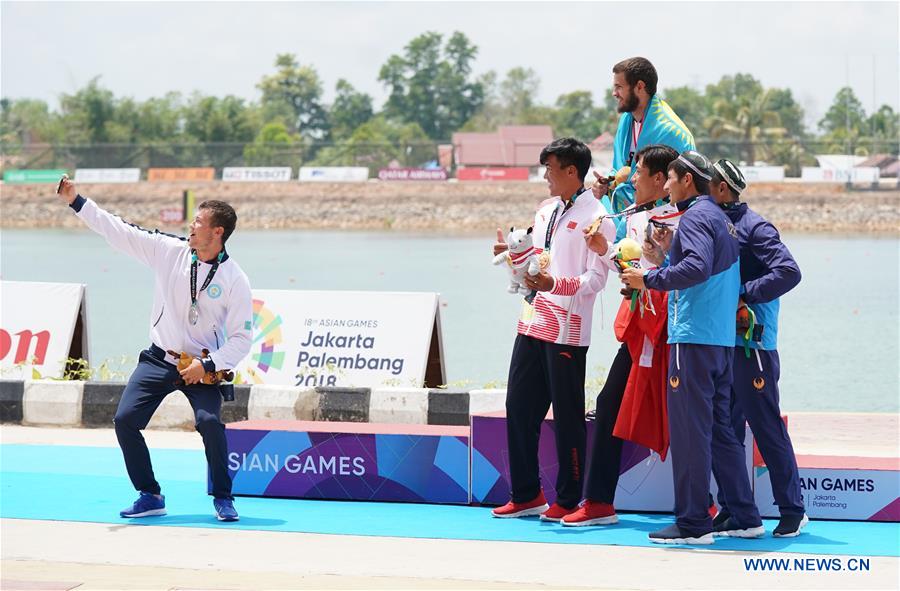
x=627, y=253
x=210, y=377
x=521, y=257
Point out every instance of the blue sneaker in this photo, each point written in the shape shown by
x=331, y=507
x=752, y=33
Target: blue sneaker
x=225, y=510
x=146, y=505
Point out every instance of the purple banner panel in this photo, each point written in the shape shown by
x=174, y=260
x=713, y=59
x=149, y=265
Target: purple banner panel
x=347, y=461
x=645, y=482
x=412, y=174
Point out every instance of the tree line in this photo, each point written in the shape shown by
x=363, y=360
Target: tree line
x=432, y=93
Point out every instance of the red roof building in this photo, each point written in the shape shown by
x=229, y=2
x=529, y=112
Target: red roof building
x=512, y=145
x=602, y=142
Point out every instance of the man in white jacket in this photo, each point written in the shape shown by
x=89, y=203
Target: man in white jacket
x=548, y=360
x=215, y=315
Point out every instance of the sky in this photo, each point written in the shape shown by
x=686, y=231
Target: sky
x=145, y=49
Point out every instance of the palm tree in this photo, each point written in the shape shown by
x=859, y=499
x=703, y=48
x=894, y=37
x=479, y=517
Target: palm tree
x=748, y=121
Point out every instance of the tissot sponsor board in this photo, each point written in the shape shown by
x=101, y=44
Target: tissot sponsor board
x=108, y=175
x=334, y=174
x=340, y=338
x=37, y=322
x=256, y=173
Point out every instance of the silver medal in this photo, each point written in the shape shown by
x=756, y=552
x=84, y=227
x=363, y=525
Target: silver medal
x=194, y=314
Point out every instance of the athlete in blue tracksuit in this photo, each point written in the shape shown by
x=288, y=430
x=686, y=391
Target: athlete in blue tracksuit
x=768, y=271
x=703, y=280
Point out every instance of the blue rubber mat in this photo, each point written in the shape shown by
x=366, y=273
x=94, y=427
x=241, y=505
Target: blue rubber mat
x=66, y=483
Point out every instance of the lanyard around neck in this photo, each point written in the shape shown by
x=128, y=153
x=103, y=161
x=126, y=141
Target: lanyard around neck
x=636, y=136
x=209, y=276
x=551, y=226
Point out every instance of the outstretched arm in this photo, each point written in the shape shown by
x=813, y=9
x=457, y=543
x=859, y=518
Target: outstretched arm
x=139, y=243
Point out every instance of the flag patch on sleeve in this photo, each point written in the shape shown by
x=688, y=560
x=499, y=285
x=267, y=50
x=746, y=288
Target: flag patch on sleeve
x=572, y=225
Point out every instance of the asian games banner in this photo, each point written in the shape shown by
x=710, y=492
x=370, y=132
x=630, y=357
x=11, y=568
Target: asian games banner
x=340, y=338
x=350, y=466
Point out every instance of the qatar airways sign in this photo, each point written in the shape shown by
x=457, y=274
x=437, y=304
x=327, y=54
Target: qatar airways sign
x=37, y=325
x=412, y=174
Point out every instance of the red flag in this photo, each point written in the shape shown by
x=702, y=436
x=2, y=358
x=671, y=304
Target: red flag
x=644, y=415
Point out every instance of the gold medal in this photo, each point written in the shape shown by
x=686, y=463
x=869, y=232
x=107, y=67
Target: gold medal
x=544, y=260
x=592, y=229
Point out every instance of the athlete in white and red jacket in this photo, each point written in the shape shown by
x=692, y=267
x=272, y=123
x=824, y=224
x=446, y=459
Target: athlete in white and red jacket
x=548, y=360
x=562, y=314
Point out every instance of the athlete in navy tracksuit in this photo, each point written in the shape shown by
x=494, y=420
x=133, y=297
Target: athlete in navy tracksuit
x=189, y=316
x=768, y=271
x=703, y=280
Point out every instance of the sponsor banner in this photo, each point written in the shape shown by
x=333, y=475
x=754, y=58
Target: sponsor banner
x=181, y=174
x=256, y=173
x=108, y=175
x=334, y=174
x=37, y=323
x=342, y=338
x=325, y=462
x=859, y=174
x=492, y=174
x=538, y=176
x=645, y=481
x=34, y=176
x=412, y=174
x=171, y=215
x=763, y=174
x=843, y=492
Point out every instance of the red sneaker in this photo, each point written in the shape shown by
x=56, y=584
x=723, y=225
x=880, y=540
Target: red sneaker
x=535, y=506
x=556, y=513
x=592, y=513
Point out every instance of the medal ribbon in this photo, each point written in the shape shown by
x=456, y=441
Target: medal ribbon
x=209, y=276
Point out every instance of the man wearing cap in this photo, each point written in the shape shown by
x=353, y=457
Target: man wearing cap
x=768, y=271
x=646, y=119
x=703, y=281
